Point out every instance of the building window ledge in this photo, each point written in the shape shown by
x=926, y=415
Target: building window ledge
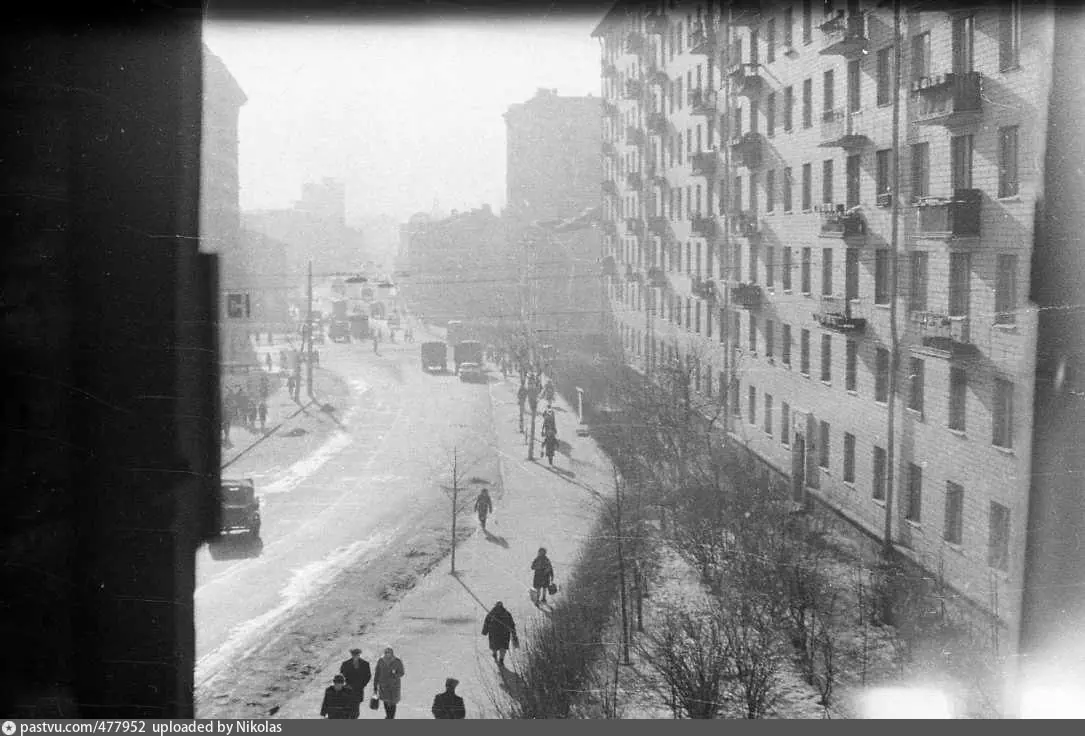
x=1008, y=327
x=914, y=524
x=827, y=384
x=958, y=432
x=955, y=547
x=1011, y=198
x=1004, y=450
x=879, y=502
x=881, y=306
x=850, y=484
x=918, y=414
x=853, y=392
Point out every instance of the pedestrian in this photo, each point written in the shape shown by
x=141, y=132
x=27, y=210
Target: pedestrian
x=521, y=397
x=267, y=361
x=389, y=672
x=543, y=577
x=339, y=700
x=269, y=338
x=229, y=409
x=448, y=704
x=548, y=392
x=282, y=360
x=253, y=414
x=500, y=629
x=226, y=430
x=550, y=446
x=263, y=417
x=357, y=673
x=376, y=342
x=265, y=386
x=290, y=385
x=483, y=507
x=243, y=408
x=550, y=423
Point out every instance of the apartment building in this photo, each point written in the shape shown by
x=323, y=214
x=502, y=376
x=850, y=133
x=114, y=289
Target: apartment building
x=827, y=211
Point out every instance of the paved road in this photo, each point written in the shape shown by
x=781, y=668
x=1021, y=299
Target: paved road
x=358, y=492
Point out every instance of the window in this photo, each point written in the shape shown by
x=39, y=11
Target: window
x=788, y=184
x=827, y=181
x=768, y=414
x=804, y=353
x=787, y=268
x=851, y=367
x=770, y=40
x=854, y=100
x=238, y=306
x=998, y=540
x=917, y=298
x=915, y=396
x=805, y=271
x=697, y=317
x=753, y=192
x=770, y=190
x=770, y=337
x=849, y=458
x=723, y=324
x=851, y=181
x=882, y=183
x=736, y=329
x=1002, y=414
x=823, y=445
x=770, y=266
x=826, y=358
x=879, y=474
x=789, y=22
x=785, y=347
x=960, y=283
x=755, y=115
x=807, y=185
x=851, y=273
x=827, y=271
x=964, y=34
x=808, y=103
x=884, y=76
x=708, y=379
x=960, y=154
x=807, y=22
x=753, y=262
x=736, y=261
x=753, y=405
x=789, y=108
x=958, y=393
x=737, y=193
x=951, y=531
x=881, y=375
x=753, y=333
x=1009, y=35
x=707, y=321
x=736, y=407
x=913, y=507
x=1007, y=162
x=881, y=276
x=920, y=169
x=921, y=56
x=785, y=423
x=827, y=93
x=755, y=47
x=1006, y=290
x=770, y=114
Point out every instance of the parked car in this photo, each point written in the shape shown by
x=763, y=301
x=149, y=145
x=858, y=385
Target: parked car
x=472, y=372
x=240, y=508
x=434, y=357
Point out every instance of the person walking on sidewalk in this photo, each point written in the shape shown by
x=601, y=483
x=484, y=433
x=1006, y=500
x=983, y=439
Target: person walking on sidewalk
x=386, y=677
x=356, y=671
x=448, y=704
x=483, y=507
x=376, y=343
x=521, y=397
x=500, y=629
x=339, y=700
x=267, y=360
x=544, y=575
x=263, y=417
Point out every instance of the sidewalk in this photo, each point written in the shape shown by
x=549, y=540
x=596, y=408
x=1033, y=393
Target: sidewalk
x=436, y=628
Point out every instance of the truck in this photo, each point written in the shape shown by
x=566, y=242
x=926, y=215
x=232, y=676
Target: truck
x=455, y=333
x=359, y=326
x=434, y=357
x=467, y=351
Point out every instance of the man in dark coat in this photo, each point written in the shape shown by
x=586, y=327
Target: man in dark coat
x=340, y=701
x=448, y=704
x=357, y=674
x=500, y=629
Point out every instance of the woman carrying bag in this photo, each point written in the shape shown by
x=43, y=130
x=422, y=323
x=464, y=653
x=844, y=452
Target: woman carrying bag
x=543, y=580
x=386, y=677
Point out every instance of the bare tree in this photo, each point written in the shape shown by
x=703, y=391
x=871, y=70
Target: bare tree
x=456, y=490
x=753, y=647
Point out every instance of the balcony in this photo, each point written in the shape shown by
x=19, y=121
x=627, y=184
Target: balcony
x=836, y=313
x=747, y=78
x=658, y=77
x=950, y=218
x=608, y=266
x=841, y=129
x=945, y=334
x=704, y=289
x=610, y=187
x=634, y=136
x=610, y=69
x=657, y=279
x=656, y=22
x=633, y=226
x=701, y=40
x=837, y=222
x=633, y=180
x=948, y=99
x=745, y=12
x=635, y=43
x=701, y=226
x=745, y=224
x=633, y=274
x=704, y=163
x=657, y=123
x=658, y=225
x=633, y=90
x=885, y=199
x=702, y=101
x=845, y=35
x=747, y=149
x=610, y=109
x=745, y=294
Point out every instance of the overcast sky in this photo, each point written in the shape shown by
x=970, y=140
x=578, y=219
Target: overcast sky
x=402, y=112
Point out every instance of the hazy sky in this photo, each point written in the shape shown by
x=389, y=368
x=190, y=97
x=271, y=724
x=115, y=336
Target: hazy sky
x=401, y=112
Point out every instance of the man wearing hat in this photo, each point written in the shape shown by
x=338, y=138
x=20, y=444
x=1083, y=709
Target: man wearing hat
x=340, y=701
x=357, y=674
x=448, y=704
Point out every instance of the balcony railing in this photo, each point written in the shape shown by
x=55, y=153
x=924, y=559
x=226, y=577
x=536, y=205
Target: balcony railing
x=842, y=129
x=632, y=273
x=701, y=40
x=658, y=77
x=633, y=226
x=745, y=12
x=658, y=225
x=657, y=123
x=610, y=109
x=704, y=163
x=948, y=99
x=610, y=187
x=656, y=22
x=939, y=331
x=836, y=313
x=633, y=180
x=885, y=199
x=633, y=89
x=702, y=101
x=608, y=266
x=745, y=224
x=610, y=69
x=837, y=222
x=635, y=43
x=657, y=279
x=748, y=78
x=702, y=226
x=747, y=149
x=633, y=135
x=845, y=34
x=704, y=288
x=957, y=217
x=745, y=294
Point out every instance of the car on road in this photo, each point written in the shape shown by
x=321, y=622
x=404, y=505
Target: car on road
x=240, y=508
x=434, y=357
x=472, y=373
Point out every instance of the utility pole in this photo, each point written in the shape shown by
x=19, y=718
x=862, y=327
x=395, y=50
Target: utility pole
x=309, y=330
x=621, y=571
x=455, y=502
